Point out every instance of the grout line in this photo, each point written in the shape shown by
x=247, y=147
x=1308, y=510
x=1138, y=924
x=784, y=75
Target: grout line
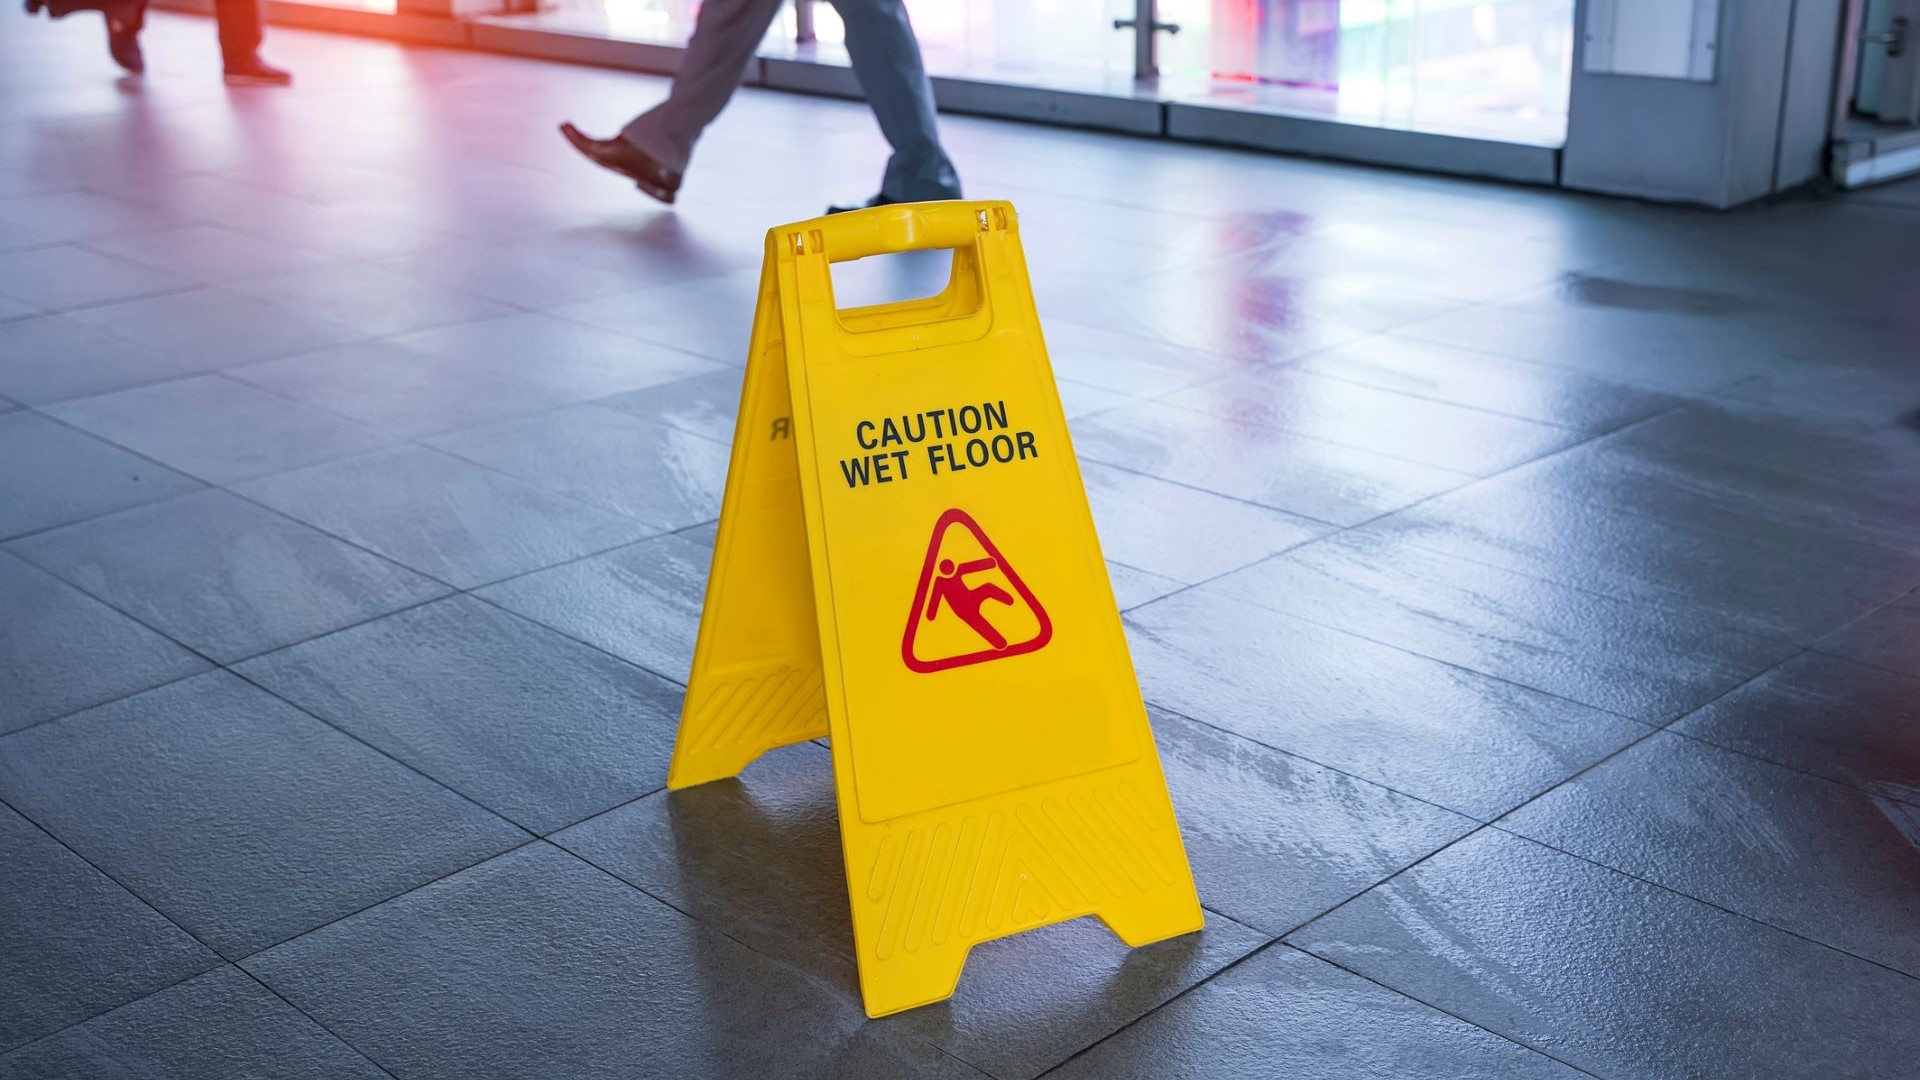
x=1457, y=1016
x=409, y=766
x=1296, y=755
x=110, y=701
x=12, y=1050
x=1903, y=799
x=1722, y=908
x=314, y=1020
x=530, y=841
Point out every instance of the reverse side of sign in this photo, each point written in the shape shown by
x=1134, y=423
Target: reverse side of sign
x=906, y=561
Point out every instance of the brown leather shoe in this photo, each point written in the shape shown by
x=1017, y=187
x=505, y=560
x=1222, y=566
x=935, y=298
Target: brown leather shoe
x=626, y=159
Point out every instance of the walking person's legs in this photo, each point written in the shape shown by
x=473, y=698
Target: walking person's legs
x=886, y=60
x=655, y=147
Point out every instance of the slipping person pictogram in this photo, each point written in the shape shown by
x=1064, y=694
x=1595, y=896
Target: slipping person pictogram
x=961, y=549
x=951, y=588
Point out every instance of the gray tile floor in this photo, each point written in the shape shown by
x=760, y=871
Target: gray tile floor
x=1523, y=586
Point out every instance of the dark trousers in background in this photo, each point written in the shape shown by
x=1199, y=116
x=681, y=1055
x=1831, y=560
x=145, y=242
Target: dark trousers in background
x=239, y=21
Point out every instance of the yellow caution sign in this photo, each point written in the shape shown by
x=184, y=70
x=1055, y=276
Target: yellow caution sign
x=906, y=562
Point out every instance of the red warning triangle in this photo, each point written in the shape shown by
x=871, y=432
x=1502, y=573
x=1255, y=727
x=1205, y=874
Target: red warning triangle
x=970, y=606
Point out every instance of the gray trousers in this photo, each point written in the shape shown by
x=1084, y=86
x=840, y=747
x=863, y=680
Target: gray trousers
x=886, y=60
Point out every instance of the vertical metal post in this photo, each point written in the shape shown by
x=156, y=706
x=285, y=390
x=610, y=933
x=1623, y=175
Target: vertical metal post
x=803, y=22
x=1146, y=39
x=1147, y=28
x=1846, y=70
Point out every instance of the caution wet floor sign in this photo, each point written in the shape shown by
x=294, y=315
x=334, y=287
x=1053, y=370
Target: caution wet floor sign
x=906, y=562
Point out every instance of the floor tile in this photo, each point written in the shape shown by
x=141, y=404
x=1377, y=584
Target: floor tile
x=535, y=958
x=640, y=602
x=1850, y=393
x=704, y=404
x=1135, y=366
x=1661, y=545
x=330, y=228
x=224, y=576
x=52, y=357
x=532, y=281
x=582, y=362
x=61, y=650
x=1615, y=976
x=218, y=1026
x=1888, y=638
x=710, y=317
x=208, y=253
x=54, y=475
x=78, y=944
x=1791, y=850
x=1462, y=740
x=1674, y=352
x=219, y=429
x=1285, y=1013
x=1751, y=450
x=1276, y=469
x=1182, y=532
x=238, y=816
x=66, y=276
x=216, y=327
x=1132, y=587
x=454, y=521
x=541, y=729
x=1479, y=380
x=1676, y=466
x=1079, y=400
x=401, y=390
x=759, y=858
x=77, y=215
x=659, y=475
x=1275, y=840
x=1383, y=421
x=1828, y=716
x=1650, y=664
x=1243, y=320
x=370, y=300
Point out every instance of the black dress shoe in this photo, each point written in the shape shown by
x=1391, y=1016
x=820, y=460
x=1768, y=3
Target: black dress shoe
x=877, y=200
x=123, y=44
x=626, y=159
x=257, y=72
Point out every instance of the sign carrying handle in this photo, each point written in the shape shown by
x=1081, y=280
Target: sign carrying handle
x=961, y=312
x=889, y=230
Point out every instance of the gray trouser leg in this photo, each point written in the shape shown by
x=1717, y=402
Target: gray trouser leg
x=886, y=60
x=725, y=36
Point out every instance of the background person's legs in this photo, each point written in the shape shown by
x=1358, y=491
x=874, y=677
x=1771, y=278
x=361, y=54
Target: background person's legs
x=239, y=31
x=886, y=60
x=725, y=37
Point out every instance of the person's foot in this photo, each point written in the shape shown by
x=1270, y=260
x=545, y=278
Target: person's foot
x=123, y=44
x=254, y=71
x=628, y=160
x=877, y=200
